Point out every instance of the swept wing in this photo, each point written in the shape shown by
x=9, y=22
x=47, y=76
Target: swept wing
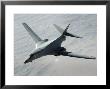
x=70, y=54
x=34, y=36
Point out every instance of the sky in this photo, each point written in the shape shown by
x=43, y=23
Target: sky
x=84, y=25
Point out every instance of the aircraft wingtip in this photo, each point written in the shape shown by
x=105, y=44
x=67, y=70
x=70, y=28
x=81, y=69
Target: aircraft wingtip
x=92, y=57
x=81, y=37
x=23, y=23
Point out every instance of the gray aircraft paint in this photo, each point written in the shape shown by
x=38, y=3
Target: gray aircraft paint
x=83, y=25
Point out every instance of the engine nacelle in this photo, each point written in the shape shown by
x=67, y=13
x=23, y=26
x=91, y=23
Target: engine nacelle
x=59, y=50
x=62, y=49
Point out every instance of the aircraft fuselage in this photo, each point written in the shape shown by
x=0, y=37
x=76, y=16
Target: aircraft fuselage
x=52, y=47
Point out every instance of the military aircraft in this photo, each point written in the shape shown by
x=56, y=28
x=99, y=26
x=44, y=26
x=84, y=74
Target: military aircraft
x=52, y=47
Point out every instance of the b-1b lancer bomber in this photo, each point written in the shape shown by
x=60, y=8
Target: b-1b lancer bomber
x=52, y=47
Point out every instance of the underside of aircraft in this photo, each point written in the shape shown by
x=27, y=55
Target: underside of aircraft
x=52, y=47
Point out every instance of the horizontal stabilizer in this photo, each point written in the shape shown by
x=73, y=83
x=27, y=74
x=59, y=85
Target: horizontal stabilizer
x=72, y=35
x=59, y=28
x=64, y=32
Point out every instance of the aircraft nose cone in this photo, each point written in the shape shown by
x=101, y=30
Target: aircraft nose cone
x=28, y=60
x=25, y=62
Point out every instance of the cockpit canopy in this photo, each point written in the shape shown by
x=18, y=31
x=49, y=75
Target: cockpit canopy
x=45, y=40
